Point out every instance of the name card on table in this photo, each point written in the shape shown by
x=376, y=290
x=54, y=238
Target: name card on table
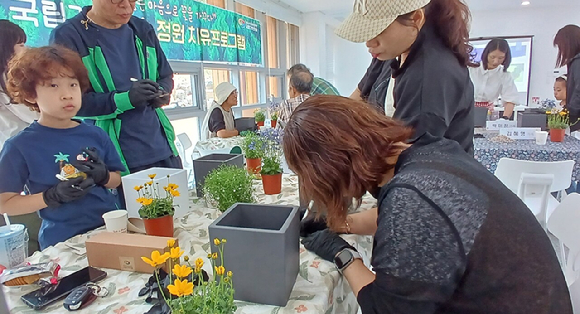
x=520, y=133
x=500, y=124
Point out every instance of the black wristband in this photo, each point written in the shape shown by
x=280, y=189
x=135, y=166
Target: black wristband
x=506, y=117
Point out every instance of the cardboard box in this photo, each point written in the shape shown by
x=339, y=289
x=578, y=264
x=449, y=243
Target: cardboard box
x=176, y=176
x=123, y=251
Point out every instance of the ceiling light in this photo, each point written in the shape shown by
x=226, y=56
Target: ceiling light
x=525, y=2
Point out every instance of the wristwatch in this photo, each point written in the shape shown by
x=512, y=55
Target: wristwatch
x=344, y=258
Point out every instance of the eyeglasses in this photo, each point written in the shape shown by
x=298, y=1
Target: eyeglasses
x=119, y=1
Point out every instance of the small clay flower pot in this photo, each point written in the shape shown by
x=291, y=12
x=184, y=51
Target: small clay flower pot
x=160, y=227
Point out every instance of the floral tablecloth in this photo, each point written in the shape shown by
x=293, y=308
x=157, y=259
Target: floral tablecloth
x=319, y=288
x=216, y=143
x=489, y=153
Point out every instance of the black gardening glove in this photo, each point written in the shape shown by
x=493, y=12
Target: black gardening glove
x=325, y=244
x=158, y=101
x=67, y=191
x=310, y=224
x=94, y=167
x=142, y=92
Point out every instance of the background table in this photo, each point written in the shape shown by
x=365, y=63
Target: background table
x=319, y=288
x=489, y=153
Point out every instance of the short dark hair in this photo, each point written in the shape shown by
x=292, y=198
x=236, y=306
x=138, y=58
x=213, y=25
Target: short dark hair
x=38, y=65
x=501, y=45
x=562, y=79
x=302, y=82
x=10, y=35
x=298, y=68
x=568, y=42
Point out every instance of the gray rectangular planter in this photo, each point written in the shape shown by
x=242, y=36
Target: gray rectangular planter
x=204, y=165
x=262, y=250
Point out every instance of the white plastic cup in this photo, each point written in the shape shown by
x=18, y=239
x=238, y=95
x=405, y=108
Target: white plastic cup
x=541, y=137
x=116, y=221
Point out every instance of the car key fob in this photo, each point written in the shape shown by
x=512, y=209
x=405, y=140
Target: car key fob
x=77, y=297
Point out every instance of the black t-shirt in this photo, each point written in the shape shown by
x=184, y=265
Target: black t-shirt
x=573, y=92
x=374, y=85
x=451, y=238
x=433, y=91
x=216, y=121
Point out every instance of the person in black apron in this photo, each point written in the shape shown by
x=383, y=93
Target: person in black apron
x=449, y=237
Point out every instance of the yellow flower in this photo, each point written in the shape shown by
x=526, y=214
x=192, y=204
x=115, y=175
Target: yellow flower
x=172, y=186
x=209, y=255
x=176, y=252
x=171, y=242
x=216, y=241
x=156, y=259
x=150, y=183
x=152, y=176
x=548, y=112
x=220, y=270
x=181, y=271
x=175, y=193
x=181, y=288
x=137, y=188
x=198, y=263
x=186, y=258
x=147, y=201
x=227, y=279
x=140, y=200
x=224, y=241
x=197, y=270
x=562, y=113
x=230, y=273
x=214, y=255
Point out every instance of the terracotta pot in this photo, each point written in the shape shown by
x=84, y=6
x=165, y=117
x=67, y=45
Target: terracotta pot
x=273, y=123
x=161, y=227
x=557, y=135
x=261, y=123
x=254, y=165
x=272, y=183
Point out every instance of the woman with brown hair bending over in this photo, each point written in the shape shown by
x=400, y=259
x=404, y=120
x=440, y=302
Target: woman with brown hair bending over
x=449, y=237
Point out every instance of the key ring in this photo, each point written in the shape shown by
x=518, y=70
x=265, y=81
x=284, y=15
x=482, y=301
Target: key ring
x=98, y=290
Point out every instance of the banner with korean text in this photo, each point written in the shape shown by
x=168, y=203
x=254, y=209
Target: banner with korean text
x=187, y=30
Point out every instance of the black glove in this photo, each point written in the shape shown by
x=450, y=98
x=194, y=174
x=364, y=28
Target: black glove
x=325, y=244
x=142, y=92
x=67, y=191
x=94, y=167
x=159, y=102
x=309, y=224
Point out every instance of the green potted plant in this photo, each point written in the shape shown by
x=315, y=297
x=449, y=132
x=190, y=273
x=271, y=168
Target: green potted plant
x=274, y=119
x=228, y=185
x=260, y=117
x=558, y=122
x=157, y=207
x=271, y=169
x=253, y=148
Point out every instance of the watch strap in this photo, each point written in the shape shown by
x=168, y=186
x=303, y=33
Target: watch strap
x=354, y=255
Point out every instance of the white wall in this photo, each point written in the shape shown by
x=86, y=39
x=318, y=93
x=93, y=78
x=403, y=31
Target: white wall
x=542, y=23
x=328, y=56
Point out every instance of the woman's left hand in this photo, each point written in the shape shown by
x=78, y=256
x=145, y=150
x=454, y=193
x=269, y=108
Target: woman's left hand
x=325, y=244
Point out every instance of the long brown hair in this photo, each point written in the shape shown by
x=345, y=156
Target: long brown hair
x=568, y=42
x=338, y=148
x=451, y=19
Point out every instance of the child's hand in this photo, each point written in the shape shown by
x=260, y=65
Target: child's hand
x=67, y=191
x=94, y=167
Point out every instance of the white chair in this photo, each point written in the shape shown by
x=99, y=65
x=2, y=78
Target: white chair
x=575, y=296
x=183, y=143
x=563, y=224
x=513, y=173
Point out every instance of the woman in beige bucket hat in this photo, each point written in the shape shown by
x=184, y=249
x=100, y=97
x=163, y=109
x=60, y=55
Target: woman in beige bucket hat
x=429, y=40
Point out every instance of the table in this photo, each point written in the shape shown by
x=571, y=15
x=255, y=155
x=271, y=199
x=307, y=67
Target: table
x=319, y=288
x=489, y=153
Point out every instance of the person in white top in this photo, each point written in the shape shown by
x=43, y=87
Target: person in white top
x=491, y=80
x=13, y=117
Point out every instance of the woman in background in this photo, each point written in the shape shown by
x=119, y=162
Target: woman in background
x=568, y=42
x=429, y=40
x=219, y=120
x=491, y=80
x=560, y=90
x=13, y=117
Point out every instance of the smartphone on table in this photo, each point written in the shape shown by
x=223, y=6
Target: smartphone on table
x=44, y=296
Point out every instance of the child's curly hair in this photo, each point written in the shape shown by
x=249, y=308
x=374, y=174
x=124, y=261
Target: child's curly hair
x=38, y=65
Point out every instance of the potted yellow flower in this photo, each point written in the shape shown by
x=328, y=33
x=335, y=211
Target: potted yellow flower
x=190, y=290
x=157, y=207
x=558, y=122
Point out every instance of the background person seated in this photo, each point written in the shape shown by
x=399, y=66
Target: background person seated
x=219, y=120
x=560, y=90
x=299, y=90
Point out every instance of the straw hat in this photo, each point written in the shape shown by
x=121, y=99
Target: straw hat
x=372, y=17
